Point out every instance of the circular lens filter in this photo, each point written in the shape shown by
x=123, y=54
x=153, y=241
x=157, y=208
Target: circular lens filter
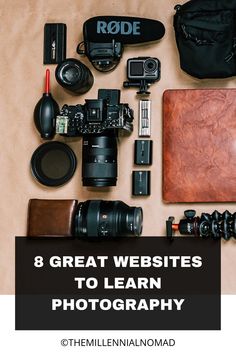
x=53, y=164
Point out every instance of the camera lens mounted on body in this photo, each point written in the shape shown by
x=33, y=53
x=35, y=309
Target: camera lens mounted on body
x=98, y=121
x=99, y=157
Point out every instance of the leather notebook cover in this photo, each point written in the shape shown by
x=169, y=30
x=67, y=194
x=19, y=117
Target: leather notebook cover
x=199, y=145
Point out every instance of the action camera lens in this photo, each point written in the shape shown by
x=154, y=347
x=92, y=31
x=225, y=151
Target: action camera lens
x=150, y=65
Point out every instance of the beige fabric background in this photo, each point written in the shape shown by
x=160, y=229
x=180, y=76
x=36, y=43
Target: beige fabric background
x=22, y=73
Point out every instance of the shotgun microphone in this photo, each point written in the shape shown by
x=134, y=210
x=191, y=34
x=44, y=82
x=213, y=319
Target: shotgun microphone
x=105, y=36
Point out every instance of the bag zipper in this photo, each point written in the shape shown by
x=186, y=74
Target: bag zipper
x=232, y=53
x=198, y=41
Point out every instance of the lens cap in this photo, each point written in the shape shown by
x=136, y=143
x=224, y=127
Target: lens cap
x=53, y=164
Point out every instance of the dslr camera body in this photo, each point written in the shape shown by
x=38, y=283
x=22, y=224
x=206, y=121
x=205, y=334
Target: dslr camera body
x=98, y=122
x=95, y=116
x=142, y=72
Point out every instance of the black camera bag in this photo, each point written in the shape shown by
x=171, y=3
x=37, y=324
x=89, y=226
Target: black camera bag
x=206, y=37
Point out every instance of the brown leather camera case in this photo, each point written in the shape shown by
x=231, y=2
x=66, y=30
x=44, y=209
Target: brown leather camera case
x=199, y=145
x=51, y=217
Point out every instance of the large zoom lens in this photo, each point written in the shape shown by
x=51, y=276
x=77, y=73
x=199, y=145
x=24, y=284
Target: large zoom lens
x=99, y=160
x=107, y=218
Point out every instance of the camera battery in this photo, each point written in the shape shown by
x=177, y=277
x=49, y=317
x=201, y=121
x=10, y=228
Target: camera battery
x=54, y=43
x=141, y=183
x=143, y=152
x=144, y=118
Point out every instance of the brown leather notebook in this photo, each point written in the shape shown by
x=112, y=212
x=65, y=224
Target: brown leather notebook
x=199, y=145
x=51, y=217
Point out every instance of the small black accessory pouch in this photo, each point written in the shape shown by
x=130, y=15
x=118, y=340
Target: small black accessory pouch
x=205, y=33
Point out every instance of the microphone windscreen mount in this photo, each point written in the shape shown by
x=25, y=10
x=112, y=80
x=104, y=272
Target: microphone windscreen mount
x=122, y=29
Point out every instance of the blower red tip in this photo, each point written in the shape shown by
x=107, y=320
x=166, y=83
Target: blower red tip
x=175, y=227
x=47, y=83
